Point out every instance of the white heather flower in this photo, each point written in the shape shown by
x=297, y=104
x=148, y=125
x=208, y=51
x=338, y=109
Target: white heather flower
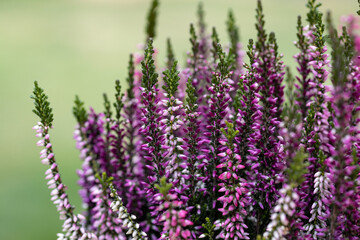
x=285, y=208
x=128, y=220
x=319, y=209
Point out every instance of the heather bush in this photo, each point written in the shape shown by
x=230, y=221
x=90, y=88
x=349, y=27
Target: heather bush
x=219, y=148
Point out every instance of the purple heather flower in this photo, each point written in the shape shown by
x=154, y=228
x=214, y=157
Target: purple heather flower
x=243, y=164
x=135, y=164
x=312, y=100
x=265, y=156
x=199, y=69
x=152, y=132
x=106, y=223
x=86, y=174
x=172, y=123
x=344, y=168
x=193, y=140
x=218, y=102
x=304, y=87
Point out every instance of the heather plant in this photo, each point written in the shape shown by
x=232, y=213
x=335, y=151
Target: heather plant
x=219, y=148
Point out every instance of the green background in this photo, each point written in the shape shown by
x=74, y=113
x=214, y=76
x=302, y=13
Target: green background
x=81, y=47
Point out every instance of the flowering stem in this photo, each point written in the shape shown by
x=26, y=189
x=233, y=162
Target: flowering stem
x=71, y=226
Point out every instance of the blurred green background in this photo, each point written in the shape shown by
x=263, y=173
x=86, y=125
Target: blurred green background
x=81, y=47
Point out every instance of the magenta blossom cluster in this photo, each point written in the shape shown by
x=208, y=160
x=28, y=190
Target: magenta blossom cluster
x=216, y=149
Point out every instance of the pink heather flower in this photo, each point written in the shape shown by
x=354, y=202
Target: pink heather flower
x=305, y=86
x=233, y=191
x=174, y=219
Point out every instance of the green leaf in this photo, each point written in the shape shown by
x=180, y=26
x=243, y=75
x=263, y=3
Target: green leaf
x=233, y=32
x=272, y=41
x=229, y=132
x=313, y=14
x=342, y=52
x=297, y=168
x=151, y=19
x=170, y=54
x=260, y=27
x=107, y=106
x=164, y=187
x=104, y=180
x=201, y=19
x=191, y=98
x=150, y=77
x=171, y=79
x=225, y=63
x=250, y=51
x=118, y=104
x=194, y=42
x=79, y=111
x=209, y=227
x=215, y=44
x=42, y=106
x=130, y=78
